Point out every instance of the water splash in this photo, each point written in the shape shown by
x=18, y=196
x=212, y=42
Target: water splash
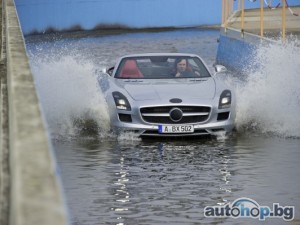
x=71, y=99
x=64, y=72
x=128, y=137
x=221, y=136
x=269, y=102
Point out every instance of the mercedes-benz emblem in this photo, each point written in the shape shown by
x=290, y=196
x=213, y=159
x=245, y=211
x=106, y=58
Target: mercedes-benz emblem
x=176, y=114
x=175, y=100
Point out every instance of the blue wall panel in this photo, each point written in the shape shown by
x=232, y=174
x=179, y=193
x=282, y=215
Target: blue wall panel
x=234, y=53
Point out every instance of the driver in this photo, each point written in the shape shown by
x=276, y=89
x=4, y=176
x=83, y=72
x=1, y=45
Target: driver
x=182, y=68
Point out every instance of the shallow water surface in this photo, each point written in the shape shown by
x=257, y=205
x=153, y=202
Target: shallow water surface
x=159, y=182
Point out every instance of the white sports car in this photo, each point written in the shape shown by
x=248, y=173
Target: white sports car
x=167, y=94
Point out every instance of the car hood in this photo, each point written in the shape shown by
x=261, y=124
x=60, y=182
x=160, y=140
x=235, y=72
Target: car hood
x=182, y=88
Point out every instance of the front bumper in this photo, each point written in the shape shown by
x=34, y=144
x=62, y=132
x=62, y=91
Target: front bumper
x=212, y=126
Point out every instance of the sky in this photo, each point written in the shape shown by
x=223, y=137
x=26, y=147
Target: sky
x=42, y=15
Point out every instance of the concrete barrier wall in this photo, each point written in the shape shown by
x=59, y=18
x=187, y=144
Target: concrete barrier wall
x=35, y=191
x=4, y=150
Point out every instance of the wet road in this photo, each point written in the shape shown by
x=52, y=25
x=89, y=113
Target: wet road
x=111, y=179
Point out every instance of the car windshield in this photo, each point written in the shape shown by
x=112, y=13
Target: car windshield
x=161, y=67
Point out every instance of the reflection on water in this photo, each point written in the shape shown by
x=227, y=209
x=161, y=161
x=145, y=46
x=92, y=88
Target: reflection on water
x=146, y=182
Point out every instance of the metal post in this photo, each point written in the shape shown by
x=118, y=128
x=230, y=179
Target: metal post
x=261, y=18
x=231, y=7
x=283, y=20
x=226, y=14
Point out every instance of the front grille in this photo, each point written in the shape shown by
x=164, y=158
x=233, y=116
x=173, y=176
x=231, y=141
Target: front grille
x=161, y=114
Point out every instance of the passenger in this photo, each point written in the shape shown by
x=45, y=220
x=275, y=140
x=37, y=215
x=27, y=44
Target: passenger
x=182, y=68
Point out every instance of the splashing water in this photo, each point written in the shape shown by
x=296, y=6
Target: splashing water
x=269, y=102
x=71, y=99
x=64, y=72
x=73, y=104
x=128, y=137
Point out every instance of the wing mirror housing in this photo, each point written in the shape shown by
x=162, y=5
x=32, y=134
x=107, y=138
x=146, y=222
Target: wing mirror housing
x=108, y=71
x=104, y=70
x=220, y=69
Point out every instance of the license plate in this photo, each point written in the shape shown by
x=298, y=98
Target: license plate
x=176, y=129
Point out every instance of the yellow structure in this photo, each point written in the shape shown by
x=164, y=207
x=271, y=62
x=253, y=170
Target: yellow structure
x=265, y=21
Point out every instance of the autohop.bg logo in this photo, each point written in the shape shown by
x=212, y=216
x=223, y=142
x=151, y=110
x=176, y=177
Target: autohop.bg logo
x=248, y=208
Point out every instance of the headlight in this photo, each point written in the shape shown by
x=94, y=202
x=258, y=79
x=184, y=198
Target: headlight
x=225, y=100
x=121, y=101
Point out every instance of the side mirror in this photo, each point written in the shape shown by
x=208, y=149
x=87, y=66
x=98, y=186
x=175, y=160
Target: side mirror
x=104, y=70
x=110, y=70
x=220, y=69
